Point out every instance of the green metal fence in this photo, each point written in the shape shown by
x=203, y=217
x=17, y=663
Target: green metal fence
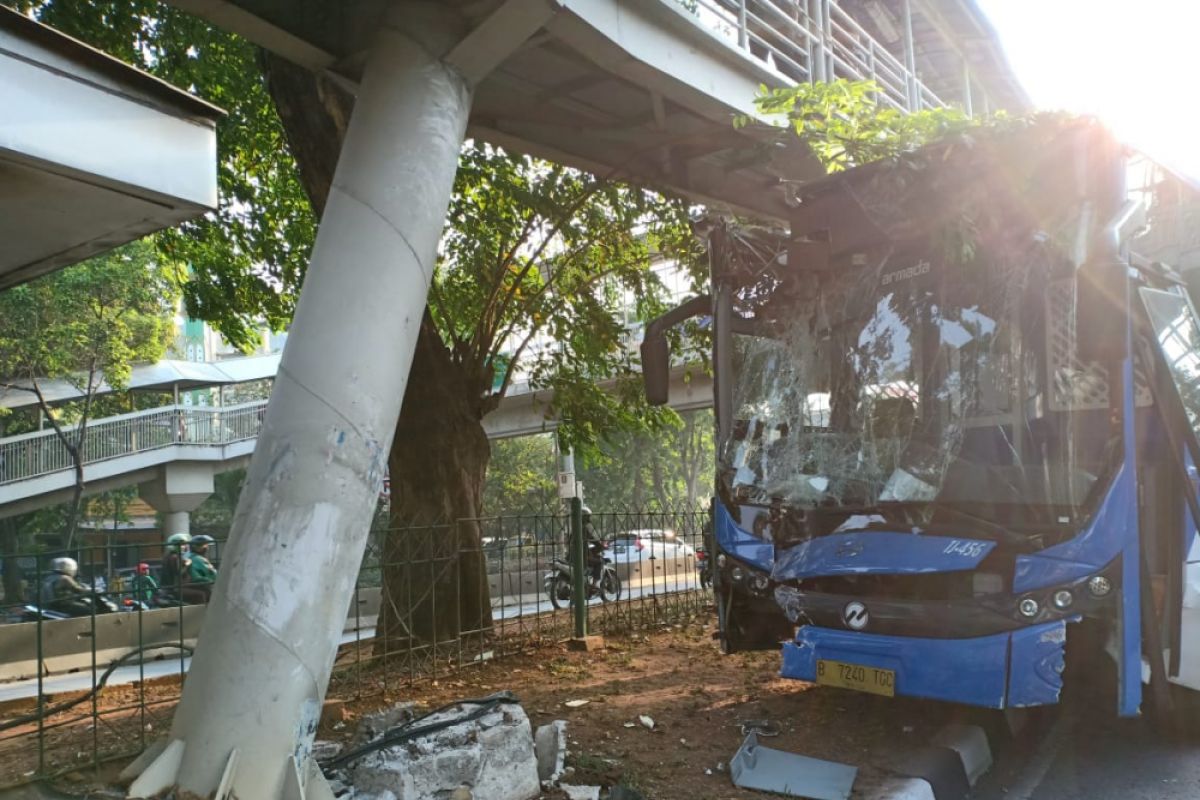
x=430, y=599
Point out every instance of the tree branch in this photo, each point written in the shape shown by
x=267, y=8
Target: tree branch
x=567, y=214
x=499, y=339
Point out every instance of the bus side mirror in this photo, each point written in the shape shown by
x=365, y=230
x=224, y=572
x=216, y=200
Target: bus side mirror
x=656, y=368
x=1101, y=310
x=656, y=353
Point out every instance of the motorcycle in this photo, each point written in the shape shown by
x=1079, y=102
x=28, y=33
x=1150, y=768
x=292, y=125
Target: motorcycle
x=704, y=568
x=558, y=583
x=80, y=606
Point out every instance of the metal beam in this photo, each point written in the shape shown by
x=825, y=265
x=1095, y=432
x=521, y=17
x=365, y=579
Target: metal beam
x=250, y=26
x=503, y=32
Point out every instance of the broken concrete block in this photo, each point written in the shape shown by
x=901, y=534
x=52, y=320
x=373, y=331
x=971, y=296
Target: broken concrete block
x=580, y=792
x=323, y=750
x=586, y=644
x=550, y=745
x=372, y=726
x=492, y=757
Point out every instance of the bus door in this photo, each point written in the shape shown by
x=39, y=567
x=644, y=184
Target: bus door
x=1174, y=333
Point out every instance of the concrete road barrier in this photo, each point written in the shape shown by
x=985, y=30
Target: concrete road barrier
x=67, y=645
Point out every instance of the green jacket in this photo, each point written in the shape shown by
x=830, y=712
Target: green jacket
x=144, y=587
x=201, y=570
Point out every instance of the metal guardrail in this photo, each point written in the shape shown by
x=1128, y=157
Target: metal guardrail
x=43, y=452
x=815, y=40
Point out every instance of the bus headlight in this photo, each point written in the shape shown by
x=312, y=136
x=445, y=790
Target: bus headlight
x=721, y=560
x=1099, y=586
x=737, y=574
x=760, y=583
x=1028, y=607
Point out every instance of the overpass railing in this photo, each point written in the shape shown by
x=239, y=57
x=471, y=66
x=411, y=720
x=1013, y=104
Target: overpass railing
x=814, y=40
x=43, y=452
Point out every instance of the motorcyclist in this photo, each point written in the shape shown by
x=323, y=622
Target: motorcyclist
x=201, y=574
x=595, y=546
x=143, y=586
x=61, y=592
x=175, y=563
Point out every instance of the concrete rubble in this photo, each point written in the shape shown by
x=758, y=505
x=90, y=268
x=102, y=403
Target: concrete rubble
x=485, y=751
x=550, y=744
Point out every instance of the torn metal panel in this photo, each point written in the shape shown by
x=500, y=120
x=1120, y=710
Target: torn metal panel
x=769, y=770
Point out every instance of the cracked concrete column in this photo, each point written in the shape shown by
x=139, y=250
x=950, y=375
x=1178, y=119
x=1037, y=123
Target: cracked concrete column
x=253, y=696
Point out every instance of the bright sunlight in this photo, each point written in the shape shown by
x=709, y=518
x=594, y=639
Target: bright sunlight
x=1120, y=62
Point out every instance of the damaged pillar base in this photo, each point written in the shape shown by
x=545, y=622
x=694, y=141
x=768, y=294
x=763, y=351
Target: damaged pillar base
x=157, y=768
x=586, y=644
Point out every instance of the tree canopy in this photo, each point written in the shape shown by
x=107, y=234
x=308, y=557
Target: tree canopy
x=87, y=324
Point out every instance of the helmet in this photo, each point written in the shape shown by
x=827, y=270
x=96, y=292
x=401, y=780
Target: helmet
x=143, y=569
x=176, y=541
x=66, y=566
x=203, y=540
x=587, y=512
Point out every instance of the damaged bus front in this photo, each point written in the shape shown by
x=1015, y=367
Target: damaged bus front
x=955, y=420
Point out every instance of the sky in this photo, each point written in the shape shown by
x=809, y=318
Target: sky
x=1132, y=64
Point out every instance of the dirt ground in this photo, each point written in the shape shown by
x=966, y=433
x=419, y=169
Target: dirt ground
x=698, y=701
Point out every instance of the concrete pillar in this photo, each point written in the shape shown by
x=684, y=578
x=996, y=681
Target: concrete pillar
x=177, y=522
x=178, y=490
x=253, y=697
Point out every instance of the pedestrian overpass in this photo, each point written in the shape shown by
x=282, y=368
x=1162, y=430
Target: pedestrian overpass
x=174, y=450
x=647, y=89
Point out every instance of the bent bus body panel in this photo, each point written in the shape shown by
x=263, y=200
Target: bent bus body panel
x=1006, y=670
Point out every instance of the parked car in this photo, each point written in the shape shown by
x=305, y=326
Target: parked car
x=647, y=543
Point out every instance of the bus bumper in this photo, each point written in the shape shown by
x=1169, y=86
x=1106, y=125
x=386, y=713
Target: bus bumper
x=1013, y=669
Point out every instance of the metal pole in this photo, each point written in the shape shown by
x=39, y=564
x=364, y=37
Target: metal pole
x=827, y=35
x=253, y=697
x=910, y=58
x=967, y=106
x=816, y=15
x=579, y=575
x=743, y=33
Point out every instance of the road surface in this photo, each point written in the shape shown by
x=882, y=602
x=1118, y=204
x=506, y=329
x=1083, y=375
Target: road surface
x=506, y=608
x=1084, y=752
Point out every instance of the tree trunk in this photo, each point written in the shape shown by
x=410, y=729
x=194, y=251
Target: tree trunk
x=435, y=572
x=435, y=575
x=659, y=476
x=76, y=496
x=689, y=453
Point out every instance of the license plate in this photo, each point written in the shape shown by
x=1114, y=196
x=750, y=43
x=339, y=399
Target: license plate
x=857, y=677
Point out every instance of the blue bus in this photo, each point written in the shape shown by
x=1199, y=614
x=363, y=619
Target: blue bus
x=957, y=425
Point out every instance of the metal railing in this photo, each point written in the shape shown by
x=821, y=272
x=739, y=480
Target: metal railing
x=43, y=452
x=102, y=686
x=808, y=41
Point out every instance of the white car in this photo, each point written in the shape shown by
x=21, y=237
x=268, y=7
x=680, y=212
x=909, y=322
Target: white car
x=647, y=543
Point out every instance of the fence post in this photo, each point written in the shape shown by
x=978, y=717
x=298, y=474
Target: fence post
x=578, y=569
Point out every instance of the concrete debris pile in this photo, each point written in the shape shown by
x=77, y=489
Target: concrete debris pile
x=481, y=749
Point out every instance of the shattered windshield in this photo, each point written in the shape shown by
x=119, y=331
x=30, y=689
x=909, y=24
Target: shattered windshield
x=909, y=382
